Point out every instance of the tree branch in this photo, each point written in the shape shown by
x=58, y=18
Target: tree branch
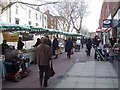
x=11, y=3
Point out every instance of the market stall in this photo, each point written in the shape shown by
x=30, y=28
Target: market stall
x=2, y=68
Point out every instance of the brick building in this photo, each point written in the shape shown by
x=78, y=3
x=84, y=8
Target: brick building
x=109, y=11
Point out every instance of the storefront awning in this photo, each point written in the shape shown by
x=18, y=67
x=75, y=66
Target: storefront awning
x=6, y=26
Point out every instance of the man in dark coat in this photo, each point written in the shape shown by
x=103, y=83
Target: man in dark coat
x=89, y=46
x=68, y=47
x=96, y=43
x=112, y=41
x=37, y=43
x=49, y=41
x=4, y=46
x=20, y=44
x=55, y=46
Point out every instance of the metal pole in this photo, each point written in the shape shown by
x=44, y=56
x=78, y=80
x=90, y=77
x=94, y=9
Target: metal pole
x=10, y=12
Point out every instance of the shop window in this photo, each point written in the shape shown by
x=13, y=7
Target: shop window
x=17, y=21
x=36, y=24
x=16, y=9
x=36, y=16
x=29, y=13
x=40, y=17
x=29, y=22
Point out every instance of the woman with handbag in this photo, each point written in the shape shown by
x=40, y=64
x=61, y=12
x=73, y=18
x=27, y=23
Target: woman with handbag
x=43, y=59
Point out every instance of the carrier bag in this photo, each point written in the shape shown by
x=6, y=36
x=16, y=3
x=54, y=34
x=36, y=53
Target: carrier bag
x=50, y=72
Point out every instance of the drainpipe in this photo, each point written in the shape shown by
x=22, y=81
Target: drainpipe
x=0, y=13
x=10, y=12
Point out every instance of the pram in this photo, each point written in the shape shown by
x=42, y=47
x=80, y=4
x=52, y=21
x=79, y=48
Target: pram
x=101, y=54
x=16, y=69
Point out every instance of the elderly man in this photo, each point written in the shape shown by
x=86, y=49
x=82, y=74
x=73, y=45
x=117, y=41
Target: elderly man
x=43, y=57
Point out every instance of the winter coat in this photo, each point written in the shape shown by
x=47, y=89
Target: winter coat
x=68, y=45
x=55, y=44
x=43, y=54
x=88, y=44
x=20, y=45
x=95, y=42
x=4, y=47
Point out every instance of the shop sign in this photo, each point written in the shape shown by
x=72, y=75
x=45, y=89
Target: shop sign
x=27, y=37
x=107, y=23
x=10, y=37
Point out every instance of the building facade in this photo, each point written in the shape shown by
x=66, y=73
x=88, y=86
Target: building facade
x=108, y=13
x=54, y=22
x=24, y=15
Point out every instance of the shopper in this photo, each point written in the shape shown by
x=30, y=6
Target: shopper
x=20, y=44
x=112, y=41
x=78, y=44
x=89, y=46
x=96, y=42
x=4, y=46
x=68, y=47
x=37, y=43
x=82, y=42
x=49, y=41
x=44, y=55
x=55, y=47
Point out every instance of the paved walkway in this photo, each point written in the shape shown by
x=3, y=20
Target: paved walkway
x=84, y=73
x=90, y=74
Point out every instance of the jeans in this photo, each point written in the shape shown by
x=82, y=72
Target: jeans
x=110, y=58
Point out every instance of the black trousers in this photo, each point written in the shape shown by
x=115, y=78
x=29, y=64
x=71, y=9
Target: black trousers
x=95, y=55
x=43, y=74
x=69, y=53
x=89, y=50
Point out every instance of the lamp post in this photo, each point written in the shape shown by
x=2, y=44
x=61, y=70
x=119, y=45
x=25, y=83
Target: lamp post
x=0, y=13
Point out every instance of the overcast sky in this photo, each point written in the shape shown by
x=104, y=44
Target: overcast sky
x=92, y=20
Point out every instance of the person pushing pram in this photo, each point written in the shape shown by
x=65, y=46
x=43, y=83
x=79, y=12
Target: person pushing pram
x=95, y=43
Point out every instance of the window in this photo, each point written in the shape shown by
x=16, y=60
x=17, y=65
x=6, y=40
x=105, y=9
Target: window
x=16, y=9
x=36, y=24
x=29, y=13
x=29, y=22
x=45, y=18
x=17, y=21
x=40, y=17
x=36, y=16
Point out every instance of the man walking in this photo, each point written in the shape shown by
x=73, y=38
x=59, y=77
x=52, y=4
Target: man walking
x=43, y=57
x=68, y=47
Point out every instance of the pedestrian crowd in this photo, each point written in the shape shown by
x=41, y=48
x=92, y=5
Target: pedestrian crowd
x=46, y=48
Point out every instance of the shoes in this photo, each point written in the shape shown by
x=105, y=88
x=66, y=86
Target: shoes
x=55, y=57
x=45, y=85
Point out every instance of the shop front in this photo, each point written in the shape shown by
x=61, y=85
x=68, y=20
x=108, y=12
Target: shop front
x=107, y=25
x=116, y=25
x=116, y=34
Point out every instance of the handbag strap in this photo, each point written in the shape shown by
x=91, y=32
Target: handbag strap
x=51, y=65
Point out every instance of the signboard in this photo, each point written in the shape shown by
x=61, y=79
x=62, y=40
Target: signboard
x=107, y=23
x=10, y=37
x=27, y=37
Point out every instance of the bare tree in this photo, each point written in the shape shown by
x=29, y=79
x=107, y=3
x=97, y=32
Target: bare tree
x=12, y=3
x=73, y=12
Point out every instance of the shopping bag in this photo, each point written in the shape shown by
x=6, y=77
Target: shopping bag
x=57, y=51
x=50, y=72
